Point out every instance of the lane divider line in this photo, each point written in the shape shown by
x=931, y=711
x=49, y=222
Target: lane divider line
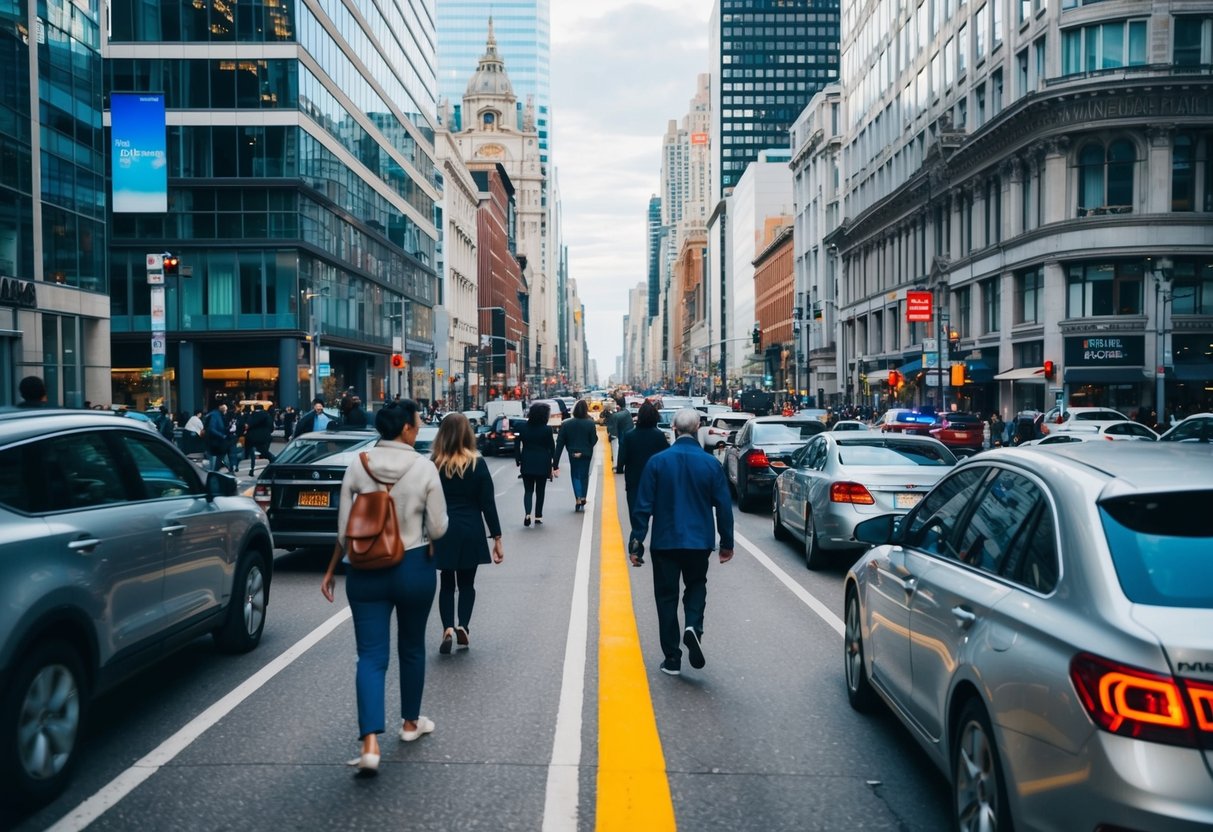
x=110, y=794
x=561, y=802
x=823, y=612
x=633, y=785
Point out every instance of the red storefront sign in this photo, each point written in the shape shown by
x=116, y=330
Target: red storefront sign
x=919, y=307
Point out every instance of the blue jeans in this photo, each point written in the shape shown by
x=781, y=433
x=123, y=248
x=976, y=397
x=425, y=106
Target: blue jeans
x=579, y=473
x=373, y=593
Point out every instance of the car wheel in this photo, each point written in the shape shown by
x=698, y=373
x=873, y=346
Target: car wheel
x=245, y=621
x=979, y=793
x=859, y=687
x=814, y=557
x=780, y=532
x=41, y=720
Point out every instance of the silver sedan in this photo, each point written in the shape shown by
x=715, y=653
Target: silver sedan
x=1042, y=623
x=840, y=479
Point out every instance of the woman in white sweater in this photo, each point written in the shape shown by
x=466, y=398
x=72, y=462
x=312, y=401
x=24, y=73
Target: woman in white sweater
x=407, y=587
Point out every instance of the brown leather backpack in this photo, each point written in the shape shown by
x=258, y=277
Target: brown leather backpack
x=372, y=532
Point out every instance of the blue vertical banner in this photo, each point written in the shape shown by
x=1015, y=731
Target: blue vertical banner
x=139, y=153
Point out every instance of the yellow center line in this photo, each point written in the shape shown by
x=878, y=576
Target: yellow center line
x=633, y=788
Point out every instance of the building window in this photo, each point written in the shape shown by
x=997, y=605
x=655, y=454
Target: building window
x=1192, y=39
x=1026, y=204
x=997, y=39
x=1103, y=46
x=1025, y=10
x=1029, y=297
x=1192, y=291
x=1104, y=289
x=1105, y=178
x=1183, y=175
x=996, y=92
x=962, y=50
x=1039, y=46
x=964, y=311
x=1021, y=72
x=979, y=105
x=991, y=298
x=979, y=33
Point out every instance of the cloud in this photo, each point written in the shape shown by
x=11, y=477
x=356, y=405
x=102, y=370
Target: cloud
x=620, y=72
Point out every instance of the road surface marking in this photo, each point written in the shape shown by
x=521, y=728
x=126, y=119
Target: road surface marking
x=633, y=787
x=823, y=612
x=561, y=800
x=110, y=794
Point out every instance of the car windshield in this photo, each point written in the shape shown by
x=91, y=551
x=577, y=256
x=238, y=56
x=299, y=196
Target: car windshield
x=307, y=451
x=891, y=452
x=776, y=433
x=1162, y=547
x=665, y=418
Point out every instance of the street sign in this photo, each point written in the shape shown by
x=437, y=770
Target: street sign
x=919, y=307
x=322, y=355
x=324, y=370
x=930, y=345
x=158, y=343
x=930, y=360
x=157, y=293
x=157, y=365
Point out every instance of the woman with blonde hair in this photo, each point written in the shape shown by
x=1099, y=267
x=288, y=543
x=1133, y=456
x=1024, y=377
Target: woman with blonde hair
x=468, y=488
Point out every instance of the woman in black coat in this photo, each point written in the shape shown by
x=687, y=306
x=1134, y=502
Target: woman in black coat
x=636, y=448
x=468, y=488
x=579, y=435
x=535, y=454
x=257, y=437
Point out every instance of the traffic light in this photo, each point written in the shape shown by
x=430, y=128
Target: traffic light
x=171, y=262
x=757, y=334
x=953, y=341
x=958, y=375
x=492, y=392
x=894, y=379
x=397, y=361
x=1049, y=370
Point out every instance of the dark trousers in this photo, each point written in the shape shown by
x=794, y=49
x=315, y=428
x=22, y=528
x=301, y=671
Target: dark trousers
x=407, y=588
x=670, y=565
x=254, y=449
x=536, y=486
x=465, y=579
x=579, y=473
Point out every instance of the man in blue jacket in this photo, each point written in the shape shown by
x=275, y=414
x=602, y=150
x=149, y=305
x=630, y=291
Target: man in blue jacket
x=680, y=489
x=216, y=438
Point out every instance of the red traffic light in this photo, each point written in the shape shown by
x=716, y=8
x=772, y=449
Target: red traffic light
x=1049, y=370
x=894, y=378
x=397, y=361
x=171, y=262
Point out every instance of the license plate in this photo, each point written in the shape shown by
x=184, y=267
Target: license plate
x=960, y=435
x=317, y=499
x=906, y=500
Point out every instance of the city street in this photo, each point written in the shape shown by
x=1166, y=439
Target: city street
x=554, y=719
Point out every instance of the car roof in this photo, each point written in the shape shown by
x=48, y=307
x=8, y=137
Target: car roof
x=873, y=437
x=787, y=420
x=23, y=423
x=1127, y=467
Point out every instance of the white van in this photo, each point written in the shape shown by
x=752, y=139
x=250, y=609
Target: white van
x=503, y=407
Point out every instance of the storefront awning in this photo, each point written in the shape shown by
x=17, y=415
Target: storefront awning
x=1105, y=375
x=910, y=367
x=1036, y=374
x=1190, y=372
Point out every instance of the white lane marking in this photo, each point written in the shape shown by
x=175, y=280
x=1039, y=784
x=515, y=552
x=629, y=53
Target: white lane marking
x=494, y=471
x=561, y=802
x=110, y=794
x=823, y=612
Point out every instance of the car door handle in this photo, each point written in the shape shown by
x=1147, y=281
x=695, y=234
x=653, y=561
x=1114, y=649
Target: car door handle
x=172, y=529
x=965, y=616
x=84, y=544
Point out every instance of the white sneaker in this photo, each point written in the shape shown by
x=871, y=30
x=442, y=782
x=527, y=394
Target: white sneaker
x=424, y=726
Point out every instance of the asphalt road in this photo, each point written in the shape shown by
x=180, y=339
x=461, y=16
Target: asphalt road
x=762, y=738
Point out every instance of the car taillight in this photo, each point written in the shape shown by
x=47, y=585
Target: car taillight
x=757, y=458
x=850, y=492
x=1044, y=429
x=1149, y=706
x=492, y=434
x=261, y=494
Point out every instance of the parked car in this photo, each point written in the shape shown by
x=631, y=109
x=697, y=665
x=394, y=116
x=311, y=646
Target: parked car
x=912, y=422
x=962, y=432
x=1042, y=623
x=839, y=480
x=1079, y=433
x=500, y=437
x=1069, y=415
x=301, y=489
x=1196, y=428
x=761, y=450
x=710, y=411
x=844, y=425
x=665, y=422
x=1110, y=430
x=113, y=551
x=715, y=434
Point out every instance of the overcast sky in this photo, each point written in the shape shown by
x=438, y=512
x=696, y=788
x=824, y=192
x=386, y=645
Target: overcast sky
x=621, y=69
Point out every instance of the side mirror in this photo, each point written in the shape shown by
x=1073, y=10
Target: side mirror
x=219, y=484
x=879, y=530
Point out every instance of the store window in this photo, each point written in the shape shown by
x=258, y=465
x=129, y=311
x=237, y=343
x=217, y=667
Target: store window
x=1105, y=177
x=1104, y=289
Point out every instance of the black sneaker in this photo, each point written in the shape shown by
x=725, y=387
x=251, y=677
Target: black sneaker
x=671, y=668
x=690, y=639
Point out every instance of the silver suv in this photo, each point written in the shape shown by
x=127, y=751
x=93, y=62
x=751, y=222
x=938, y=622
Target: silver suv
x=113, y=550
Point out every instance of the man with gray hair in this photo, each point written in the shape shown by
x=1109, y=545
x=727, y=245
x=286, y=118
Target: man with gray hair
x=680, y=490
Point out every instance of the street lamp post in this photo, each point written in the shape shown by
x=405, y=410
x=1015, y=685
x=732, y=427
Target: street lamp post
x=314, y=325
x=1162, y=296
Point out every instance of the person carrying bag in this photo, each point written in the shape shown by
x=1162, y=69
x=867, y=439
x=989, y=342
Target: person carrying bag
x=392, y=508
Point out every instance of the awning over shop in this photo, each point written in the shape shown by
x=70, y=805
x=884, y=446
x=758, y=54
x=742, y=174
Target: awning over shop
x=1105, y=375
x=1191, y=372
x=910, y=367
x=1034, y=374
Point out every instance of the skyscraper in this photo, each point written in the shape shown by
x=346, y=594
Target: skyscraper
x=656, y=235
x=523, y=29
x=54, y=313
x=300, y=193
x=769, y=58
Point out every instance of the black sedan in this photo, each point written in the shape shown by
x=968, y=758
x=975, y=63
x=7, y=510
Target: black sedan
x=300, y=490
x=500, y=437
x=761, y=451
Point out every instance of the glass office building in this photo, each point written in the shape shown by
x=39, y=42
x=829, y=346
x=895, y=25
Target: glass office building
x=301, y=199
x=770, y=57
x=53, y=306
x=524, y=39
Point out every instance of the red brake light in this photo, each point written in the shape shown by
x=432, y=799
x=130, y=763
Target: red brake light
x=757, y=458
x=1137, y=703
x=261, y=495
x=850, y=492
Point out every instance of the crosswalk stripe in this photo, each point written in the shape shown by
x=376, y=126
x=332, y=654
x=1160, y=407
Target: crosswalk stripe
x=633, y=786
